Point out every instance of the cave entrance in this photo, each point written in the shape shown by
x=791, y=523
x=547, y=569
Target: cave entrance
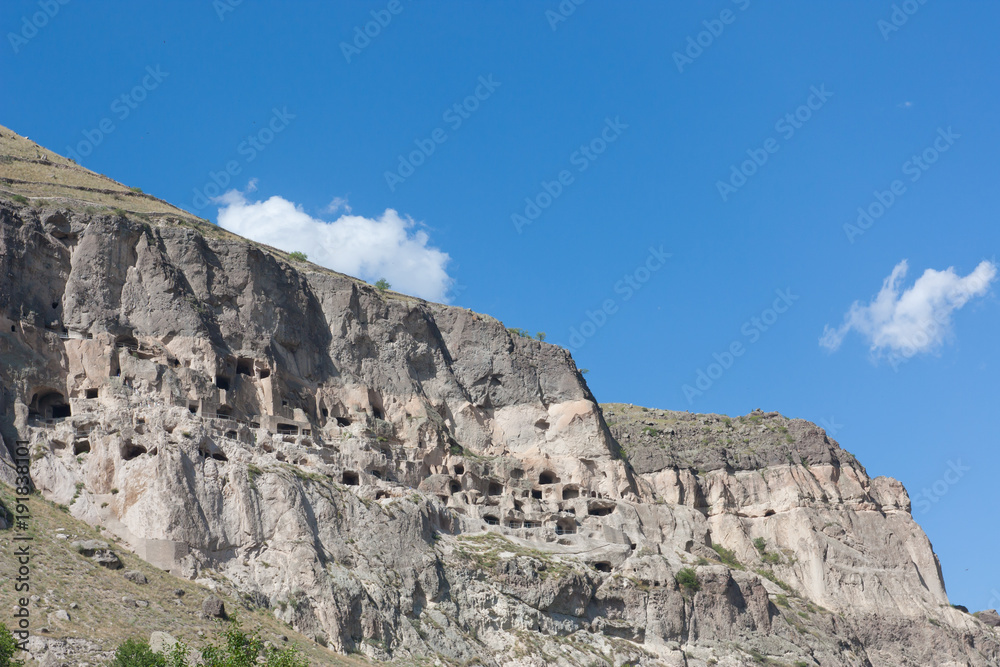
x=49, y=404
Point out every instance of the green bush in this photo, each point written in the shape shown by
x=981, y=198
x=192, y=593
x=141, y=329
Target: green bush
x=8, y=647
x=382, y=285
x=137, y=653
x=236, y=649
x=540, y=336
x=688, y=579
x=20, y=199
x=519, y=332
x=136, y=190
x=760, y=544
x=298, y=256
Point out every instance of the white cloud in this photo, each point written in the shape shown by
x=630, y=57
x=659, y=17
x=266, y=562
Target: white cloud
x=916, y=320
x=389, y=247
x=337, y=204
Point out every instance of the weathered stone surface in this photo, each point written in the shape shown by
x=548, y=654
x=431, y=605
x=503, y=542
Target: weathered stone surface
x=403, y=479
x=989, y=617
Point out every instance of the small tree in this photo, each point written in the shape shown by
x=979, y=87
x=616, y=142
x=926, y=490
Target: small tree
x=298, y=256
x=382, y=285
x=540, y=335
x=137, y=653
x=8, y=647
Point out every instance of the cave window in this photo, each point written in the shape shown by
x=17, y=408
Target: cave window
x=13, y=328
x=343, y=421
x=81, y=447
x=530, y=524
x=565, y=527
x=516, y=473
x=254, y=424
x=224, y=412
x=600, y=511
x=459, y=469
x=536, y=494
x=55, y=305
x=61, y=411
x=376, y=474
x=231, y=435
x=264, y=373
x=350, y=478
x=222, y=382
x=325, y=413
x=494, y=489
x=769, y=513
x=130, y=450
x=491, y=520
x=571, y=492
x=546, y=478
x=602, y=566
x=288, y=429
x=244, y=366
x=193, y=408
x=454, y=486
x=378, y=413
x=513, y=523
x=284, y=403
x=90, y=393
x=219, y=456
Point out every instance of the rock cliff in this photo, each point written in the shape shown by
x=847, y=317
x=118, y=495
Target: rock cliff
x=405, y=479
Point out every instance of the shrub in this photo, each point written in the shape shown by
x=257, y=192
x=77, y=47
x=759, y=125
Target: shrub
x=760, y=544
x=20, y=199
x=237, y=649
x=687, y=578
x=135, y=190
x=8, y=647
x=298, y=256
x=382, y=285
x=137, y=653
x=519, y=332
x=540, y=335
x=120, y=212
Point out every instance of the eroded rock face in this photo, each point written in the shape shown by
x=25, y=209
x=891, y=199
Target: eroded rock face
x=403, y=478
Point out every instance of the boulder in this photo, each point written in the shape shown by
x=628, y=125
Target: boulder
x=136, y=577
x=213, y=607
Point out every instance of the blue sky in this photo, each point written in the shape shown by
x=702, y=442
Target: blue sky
x=632, y=142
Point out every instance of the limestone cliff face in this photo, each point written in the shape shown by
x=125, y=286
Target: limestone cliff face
x=403, y=478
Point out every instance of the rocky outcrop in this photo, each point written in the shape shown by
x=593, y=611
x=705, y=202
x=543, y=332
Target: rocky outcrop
x=401, y=478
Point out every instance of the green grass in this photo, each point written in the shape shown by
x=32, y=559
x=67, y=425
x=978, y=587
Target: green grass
x=727, y=557
x=687, y=578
